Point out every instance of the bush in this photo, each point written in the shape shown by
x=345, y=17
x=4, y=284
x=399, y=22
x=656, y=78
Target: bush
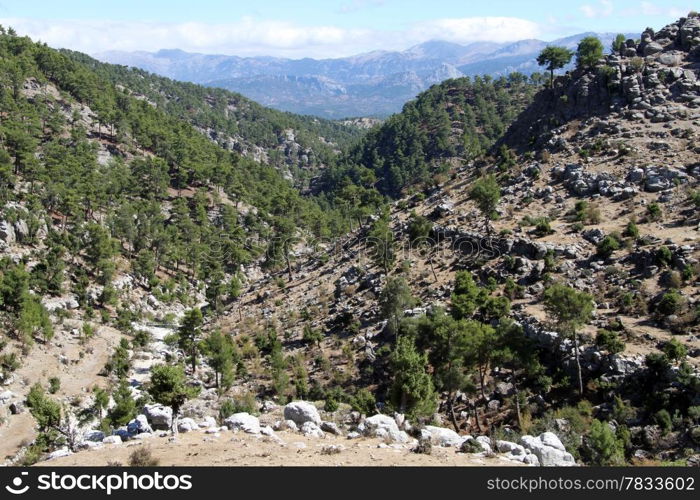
x=674, y=350
x=664, y=256
x=142, y=457
x=631, y=231
x=670, y=303
x=663, y=420
x=603, y=447
x=542, y=226
x=610, y=341
x=607, y=246
x=330, y=405
x=54, y=385
x=364, y=402
x=654, y=212
x=244, y=403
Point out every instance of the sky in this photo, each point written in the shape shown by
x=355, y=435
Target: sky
x=319, y=28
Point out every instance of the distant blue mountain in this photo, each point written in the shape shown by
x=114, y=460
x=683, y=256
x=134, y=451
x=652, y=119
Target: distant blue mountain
x=373, y=84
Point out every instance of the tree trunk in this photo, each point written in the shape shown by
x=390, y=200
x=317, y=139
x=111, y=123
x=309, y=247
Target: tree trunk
x=453, y=418
x=289, y=265
x=517, y=402
x=482, y=375
x=476, y=417
x=432, y=268
x=174, y=423
x=578, y=365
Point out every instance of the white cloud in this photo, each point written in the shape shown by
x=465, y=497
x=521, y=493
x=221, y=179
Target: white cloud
x=650, y=9
x=494, y=29
x=604, y=8
x=249, y=36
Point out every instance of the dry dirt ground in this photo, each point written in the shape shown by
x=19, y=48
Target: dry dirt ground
x=240, y=449
x=78, y=374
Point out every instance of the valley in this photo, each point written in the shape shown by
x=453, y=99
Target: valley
x=503, y=273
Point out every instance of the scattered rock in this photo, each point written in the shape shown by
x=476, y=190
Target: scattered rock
x=243, y=421
x=301, y=412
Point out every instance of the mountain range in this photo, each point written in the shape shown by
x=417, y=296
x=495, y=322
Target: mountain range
x=374, y=84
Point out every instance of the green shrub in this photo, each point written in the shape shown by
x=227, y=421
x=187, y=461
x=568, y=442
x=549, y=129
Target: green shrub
x=607, y=246
x=664, y=256
x=364, y=402
x=602, y=446
x=663, y=419
x=54, y=385
x=631, y=230
x=670, y=303
x=610, y=341
x=654, y=212
x=674, y=350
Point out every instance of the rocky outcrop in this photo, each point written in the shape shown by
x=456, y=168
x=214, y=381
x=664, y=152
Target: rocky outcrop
x=548, y=449
x=243, y=421
x=301, y=412
x=383, y=426
x=647, y=80
x=159, y=416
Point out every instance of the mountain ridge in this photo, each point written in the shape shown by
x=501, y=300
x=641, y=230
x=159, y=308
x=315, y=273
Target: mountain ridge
x=348, y=81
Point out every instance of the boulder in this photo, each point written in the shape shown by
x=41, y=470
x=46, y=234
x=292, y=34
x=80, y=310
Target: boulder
x=652, y=48
x=208, y=423
x=139, y=425
x=441, y=436
x=549, y=450
x=7, y=232
x=485, y=443
x=61, y=452
x=186, y=425
x=6, y=396
x=301, y=412
x=112, y=440
x=383, y=426
x=267, y=431
x=159, y=416
x=268, y=406
x=331, y=427
x=94, y=436
x=243, y=421
x=310, y=429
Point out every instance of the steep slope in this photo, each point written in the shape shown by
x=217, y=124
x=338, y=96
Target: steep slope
x=653, y=80
x=450, y=124
x=297, y=145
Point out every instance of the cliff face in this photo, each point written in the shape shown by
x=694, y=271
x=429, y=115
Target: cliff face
x=655, y=79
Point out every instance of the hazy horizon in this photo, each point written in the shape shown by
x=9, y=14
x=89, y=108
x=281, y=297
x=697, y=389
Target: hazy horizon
x=320, y=30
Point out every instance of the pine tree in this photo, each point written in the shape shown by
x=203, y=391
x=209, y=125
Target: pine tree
x=554, y=58
x=570, y=309
x=169, y=387
x=188, y=335
x=412, y=389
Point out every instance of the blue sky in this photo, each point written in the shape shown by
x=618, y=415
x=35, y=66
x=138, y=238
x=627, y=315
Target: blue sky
x=317, y=28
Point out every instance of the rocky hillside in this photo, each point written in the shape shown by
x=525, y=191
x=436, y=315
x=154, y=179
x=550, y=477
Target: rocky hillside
x=452, y=123
x=535, y=306
x=299, y=146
